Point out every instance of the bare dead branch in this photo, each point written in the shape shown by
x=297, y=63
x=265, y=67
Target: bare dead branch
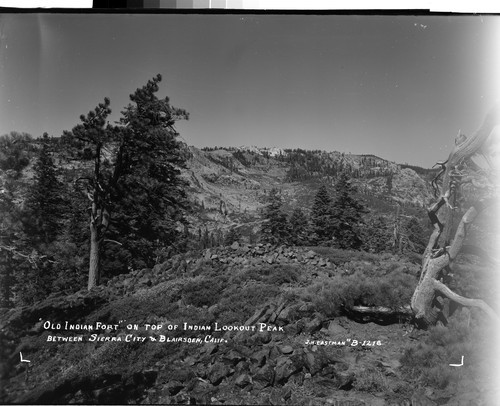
x=445, y=290
x=112, y=241
x=438, y=257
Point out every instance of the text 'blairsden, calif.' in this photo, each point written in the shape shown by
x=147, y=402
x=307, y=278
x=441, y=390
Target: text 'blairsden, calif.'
x=132, y=338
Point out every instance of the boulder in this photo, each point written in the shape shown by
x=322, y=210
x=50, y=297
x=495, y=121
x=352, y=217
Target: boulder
x=313, y=326
x=284, y=315
x=243, y=380
x=242, y=366
x=286, y=349
x=264, y=377
x=233, y=357
x=310, y=254
x=145, y=280
x=314, y=362
x=275, y=397
x=217, y=372
x=335, y=330
x=260, y=357
x=173, y=387
x=286, y=367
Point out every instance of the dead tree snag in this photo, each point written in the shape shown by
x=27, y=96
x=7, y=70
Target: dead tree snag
x=446, y=242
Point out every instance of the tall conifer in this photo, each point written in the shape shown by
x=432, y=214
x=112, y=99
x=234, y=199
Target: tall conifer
x=347, y=215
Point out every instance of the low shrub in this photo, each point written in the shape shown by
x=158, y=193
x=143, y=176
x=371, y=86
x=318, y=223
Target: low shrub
x=339, y=256
x=271, y=274
x=428, y=361
x=202, y=291
x=371, y=380
x=341, y=292
x=240, y=302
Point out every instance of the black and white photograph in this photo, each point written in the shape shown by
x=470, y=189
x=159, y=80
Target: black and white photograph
x=249, y=207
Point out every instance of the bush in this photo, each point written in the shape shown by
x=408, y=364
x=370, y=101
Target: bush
x=270, y=275
x=371, y=380
x=428, y=361
x=240, y=302
x=203, y=291
x=340, y=256
x=393, y=290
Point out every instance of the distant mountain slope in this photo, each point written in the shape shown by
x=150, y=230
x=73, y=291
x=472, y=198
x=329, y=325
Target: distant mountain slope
x=230, y=184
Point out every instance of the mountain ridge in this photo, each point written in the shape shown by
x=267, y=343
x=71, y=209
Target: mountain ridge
x=232, y=182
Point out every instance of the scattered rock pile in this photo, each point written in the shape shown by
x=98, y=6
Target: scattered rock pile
x=289, y=364
x=237, y=256
x=268, y=368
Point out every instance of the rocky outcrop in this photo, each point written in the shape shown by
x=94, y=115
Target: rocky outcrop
x=251, y=367
x=237, y=255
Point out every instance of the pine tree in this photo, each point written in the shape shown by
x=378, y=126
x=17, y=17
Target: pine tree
x=71, y=248
x=275, y=227
x=10, y=226
x=92, y=138
x=17, y=259
x=42, y=220
x=299, y=227
x=408, y=234
x=321, y=217
x=377, y=235
x=347, y=215
x=205, y=241
x=416, y=235
x=44, y=204
x=134, y=176
x=15, y=151
x=151, y=193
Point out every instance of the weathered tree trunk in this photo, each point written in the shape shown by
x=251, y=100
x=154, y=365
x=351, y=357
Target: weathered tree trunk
x=99, y=222
x=445, y=244
x=439, y=255
x=95, y=257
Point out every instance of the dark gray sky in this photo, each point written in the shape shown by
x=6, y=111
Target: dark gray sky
x=396, y=86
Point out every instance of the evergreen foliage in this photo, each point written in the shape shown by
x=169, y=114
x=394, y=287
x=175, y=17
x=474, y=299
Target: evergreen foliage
x=409, y=235
x=11, y=240
x=15, y=151
x=299, y=227
x=136, y=194
x=275, y=228
x=150, y=195
x=42, y=219
x=347, y=215
x=44, y=203
x=377, y=235
x=321, y=217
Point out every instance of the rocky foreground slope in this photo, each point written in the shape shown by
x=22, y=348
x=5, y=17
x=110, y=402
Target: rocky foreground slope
x=256, y=324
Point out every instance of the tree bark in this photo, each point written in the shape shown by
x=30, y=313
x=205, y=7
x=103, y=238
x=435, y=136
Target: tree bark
x=95, y=249
x=463, y=150
x=445, y=244
x=99, y=222
x=95, y=257
x=440, y=254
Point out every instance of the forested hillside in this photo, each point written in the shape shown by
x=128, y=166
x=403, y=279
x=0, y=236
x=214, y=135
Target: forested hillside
x=150, y=197
x=136, y=269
